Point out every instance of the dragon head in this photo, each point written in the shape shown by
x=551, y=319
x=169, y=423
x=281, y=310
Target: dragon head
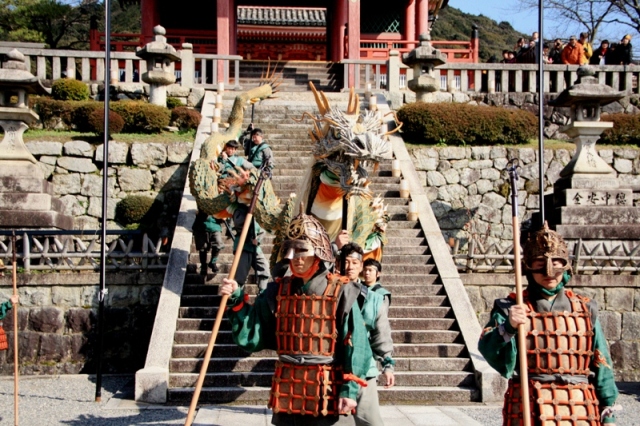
x=347, y=142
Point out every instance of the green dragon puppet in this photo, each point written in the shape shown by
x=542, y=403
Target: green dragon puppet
x=344, y=144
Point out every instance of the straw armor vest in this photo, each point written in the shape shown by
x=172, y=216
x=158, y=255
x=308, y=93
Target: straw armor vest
x=306, y=327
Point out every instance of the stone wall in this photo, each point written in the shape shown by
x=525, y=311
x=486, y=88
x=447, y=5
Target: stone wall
x=618, y=301
x=57, y=321
x=470, y=194
x=157, y=170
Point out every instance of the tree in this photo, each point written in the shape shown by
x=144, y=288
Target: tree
x=576, y=15
x=628, y=13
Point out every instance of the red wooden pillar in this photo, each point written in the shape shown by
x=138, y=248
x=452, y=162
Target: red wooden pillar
x=338, y=29
x=422, y=17
x=410, y=23
x=353, y=32
x=233, y=28
x=150, y=18
x=223, y=26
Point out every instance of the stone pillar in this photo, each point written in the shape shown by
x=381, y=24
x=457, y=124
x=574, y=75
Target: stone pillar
x=223, y=26
x=422, y=17
x=353, y=15
x=393, y=71
x=410, y=23
x=25, y=196
x=188, y=65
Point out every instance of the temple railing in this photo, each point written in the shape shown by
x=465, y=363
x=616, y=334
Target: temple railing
x=586, y=258
x=56, y=250
x=205, y=70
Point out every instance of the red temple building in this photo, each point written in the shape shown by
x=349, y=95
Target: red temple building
x=312, y=30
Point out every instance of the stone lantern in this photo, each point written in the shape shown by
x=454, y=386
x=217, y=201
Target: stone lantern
x=588, y=199
x=161, y=58
x=25, y=197
x=423, y=59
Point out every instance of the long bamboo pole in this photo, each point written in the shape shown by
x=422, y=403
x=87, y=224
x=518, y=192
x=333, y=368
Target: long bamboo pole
x=223, y=302
x=512, y=168
x=16, y=370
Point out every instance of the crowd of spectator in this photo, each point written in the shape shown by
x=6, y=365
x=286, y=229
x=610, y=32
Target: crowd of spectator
x=577, y=51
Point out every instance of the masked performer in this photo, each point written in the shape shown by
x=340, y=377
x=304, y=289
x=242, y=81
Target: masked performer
x=311, y=319
x=571, y=379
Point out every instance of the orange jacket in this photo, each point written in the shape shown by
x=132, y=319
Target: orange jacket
x=573, y=55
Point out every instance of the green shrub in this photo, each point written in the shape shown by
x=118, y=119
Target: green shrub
x=138, y=209
x=461, y=124
x=141, y=117
x=81, y=113
x=52, y=111
x=626, y=130
x=174, y=102
x=96, y=122
x=69, y=90
x=185, y=118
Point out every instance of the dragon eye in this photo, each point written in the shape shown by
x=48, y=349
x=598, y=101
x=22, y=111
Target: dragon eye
x=336, y=133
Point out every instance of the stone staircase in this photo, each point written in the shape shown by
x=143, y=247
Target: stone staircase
x=433, y=364
x=296, y=75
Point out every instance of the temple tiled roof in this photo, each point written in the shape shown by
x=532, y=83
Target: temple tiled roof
x=282, y=16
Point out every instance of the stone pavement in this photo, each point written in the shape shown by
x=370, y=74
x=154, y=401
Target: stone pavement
x=70, y=400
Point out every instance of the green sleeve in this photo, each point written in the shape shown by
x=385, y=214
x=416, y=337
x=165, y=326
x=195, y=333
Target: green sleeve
x=357, y=352
x=252, y=326
x=4, y=307
x=601, y=366
x=500, y=353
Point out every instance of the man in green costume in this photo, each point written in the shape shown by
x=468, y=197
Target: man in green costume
x=322, y=358
x=260, y=153
x=570, y=371
x=375, y=308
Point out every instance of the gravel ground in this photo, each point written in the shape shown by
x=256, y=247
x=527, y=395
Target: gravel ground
x=69, y=400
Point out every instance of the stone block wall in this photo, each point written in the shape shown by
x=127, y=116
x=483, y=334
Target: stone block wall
x=57, y=321
x=469, y=189
x=157, y=170
x=618, y=299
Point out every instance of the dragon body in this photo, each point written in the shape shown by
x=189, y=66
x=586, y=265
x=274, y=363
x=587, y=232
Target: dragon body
x=344, y=144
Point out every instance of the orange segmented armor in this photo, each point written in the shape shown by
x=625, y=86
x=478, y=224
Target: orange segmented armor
x=558, y=343
x=306, y=325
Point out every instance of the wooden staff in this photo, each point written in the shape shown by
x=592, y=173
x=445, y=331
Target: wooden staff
x=345, y=213
x=14, y=273
x=512, y=168
x=264, y=174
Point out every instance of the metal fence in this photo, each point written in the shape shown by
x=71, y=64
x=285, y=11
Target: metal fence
x=56, y=250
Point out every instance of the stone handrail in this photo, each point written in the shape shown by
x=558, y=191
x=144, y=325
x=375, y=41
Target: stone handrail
x=197, y=70
x=57, y=250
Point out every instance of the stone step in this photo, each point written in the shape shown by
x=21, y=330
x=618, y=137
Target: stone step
x=399, y=395
x=418, y=324
x=440, y=379
x=267, y=364
x=191, y=337
x=226, y=379
x=452, y=350
x=394, y=312
x=260, y=395
x=222, y=350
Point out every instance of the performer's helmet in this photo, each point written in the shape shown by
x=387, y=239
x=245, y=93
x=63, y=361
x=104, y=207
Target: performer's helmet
x=550, y=246
x=306, y=234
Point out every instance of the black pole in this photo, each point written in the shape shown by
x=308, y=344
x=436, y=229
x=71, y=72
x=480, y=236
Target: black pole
x=345, y=213
x=541, y=110
x=105, y=190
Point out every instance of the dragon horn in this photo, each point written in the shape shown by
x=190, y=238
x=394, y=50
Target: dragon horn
x=354, y=102
x=323, y=104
